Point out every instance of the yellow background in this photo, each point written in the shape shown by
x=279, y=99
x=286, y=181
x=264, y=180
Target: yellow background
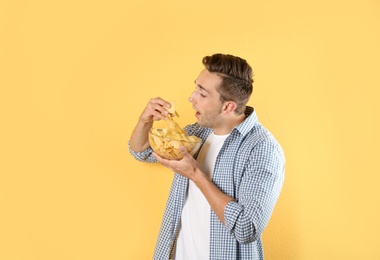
x=75, y=75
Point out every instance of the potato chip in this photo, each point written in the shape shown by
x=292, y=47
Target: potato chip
x=166, y=141
x=172, y=111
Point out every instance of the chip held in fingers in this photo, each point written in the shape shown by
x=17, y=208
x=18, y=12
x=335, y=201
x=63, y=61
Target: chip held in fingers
x=171, y=109
x=167, y=140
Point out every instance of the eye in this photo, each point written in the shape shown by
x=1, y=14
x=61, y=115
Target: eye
x=198, y=91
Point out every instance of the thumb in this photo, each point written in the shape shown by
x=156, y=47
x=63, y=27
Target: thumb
x=183, y=151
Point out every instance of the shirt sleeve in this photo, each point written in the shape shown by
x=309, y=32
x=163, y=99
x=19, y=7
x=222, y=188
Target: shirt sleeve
x=247, y=216
x=143, y=156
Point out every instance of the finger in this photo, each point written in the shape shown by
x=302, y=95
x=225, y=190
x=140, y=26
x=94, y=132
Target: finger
x=160, y=159
x=149, y=114
x=183, y=151
x=157, y=108
x=160, y=101
x=163, y=161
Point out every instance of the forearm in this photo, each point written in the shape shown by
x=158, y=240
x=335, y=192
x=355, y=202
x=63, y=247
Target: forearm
x=139, y=139
x=215, y=197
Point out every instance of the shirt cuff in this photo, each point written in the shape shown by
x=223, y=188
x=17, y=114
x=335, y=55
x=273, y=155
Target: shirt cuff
x=231, y=213
x=145, y=156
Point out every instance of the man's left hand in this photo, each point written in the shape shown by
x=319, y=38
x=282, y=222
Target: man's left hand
x=187, y=166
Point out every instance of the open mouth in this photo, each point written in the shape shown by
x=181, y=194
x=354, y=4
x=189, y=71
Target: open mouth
x=197, y=113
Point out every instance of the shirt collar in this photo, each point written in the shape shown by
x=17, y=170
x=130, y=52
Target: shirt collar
x=245, y=126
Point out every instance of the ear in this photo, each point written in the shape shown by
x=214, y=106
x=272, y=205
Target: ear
x=229, y=107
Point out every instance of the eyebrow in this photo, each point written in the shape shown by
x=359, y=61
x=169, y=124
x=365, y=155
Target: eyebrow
x=199, y=86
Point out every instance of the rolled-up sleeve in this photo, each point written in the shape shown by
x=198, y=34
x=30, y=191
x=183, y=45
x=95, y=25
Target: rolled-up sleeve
x=247, y=216
x=143, y=156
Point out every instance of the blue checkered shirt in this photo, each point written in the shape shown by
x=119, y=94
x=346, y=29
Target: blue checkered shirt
x=250, y=168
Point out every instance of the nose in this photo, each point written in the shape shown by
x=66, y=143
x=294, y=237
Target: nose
x=191, y=98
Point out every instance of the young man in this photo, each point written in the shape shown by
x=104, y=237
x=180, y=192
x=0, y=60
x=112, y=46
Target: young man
x=222, y=199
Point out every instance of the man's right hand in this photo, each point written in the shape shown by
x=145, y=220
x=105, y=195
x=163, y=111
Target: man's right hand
x=155, y=110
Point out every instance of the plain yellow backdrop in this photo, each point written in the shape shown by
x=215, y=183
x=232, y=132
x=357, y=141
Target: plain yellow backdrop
x=75, y=75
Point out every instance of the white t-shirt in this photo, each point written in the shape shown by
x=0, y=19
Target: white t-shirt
x=194, y=236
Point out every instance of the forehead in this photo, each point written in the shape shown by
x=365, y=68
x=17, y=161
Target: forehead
x=209, y=81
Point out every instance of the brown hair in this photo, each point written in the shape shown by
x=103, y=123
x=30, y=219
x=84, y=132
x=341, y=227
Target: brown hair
x=237, y=78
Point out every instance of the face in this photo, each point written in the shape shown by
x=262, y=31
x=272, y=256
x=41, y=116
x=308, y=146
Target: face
x=206, y=99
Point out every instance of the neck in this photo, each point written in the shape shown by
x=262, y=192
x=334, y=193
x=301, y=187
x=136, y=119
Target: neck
x=230, y=123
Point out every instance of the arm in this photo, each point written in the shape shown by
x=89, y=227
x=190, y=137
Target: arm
x=258, y=193
x=215, y=197
x=259, y=189
x=188, y=167
x=139, y=138
x=154, y=111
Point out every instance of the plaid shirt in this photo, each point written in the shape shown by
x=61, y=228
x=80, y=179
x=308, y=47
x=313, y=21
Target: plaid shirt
x=250, y=168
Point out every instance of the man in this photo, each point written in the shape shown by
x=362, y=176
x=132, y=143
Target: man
x=222, y=199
